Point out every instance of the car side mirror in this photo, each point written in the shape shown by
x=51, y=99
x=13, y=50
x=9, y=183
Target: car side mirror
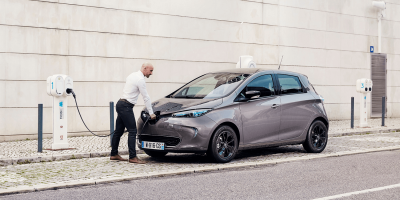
x=253, y=94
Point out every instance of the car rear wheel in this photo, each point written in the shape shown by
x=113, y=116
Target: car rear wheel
x=224, y=144
x=155, y=153
x=317, y=137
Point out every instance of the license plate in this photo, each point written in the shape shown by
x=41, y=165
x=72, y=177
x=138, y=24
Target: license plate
x=153, y=145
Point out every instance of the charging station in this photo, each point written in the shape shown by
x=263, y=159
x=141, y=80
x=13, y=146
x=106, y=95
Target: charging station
x=364, y=86
x=57, y=86
x=246, y=62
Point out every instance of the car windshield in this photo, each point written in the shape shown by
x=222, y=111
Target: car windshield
x=211, y=86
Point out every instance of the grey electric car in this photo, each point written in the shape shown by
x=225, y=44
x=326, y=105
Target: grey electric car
x=222, y=112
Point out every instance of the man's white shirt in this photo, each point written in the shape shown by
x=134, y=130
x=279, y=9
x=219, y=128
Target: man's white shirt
x=135, y=85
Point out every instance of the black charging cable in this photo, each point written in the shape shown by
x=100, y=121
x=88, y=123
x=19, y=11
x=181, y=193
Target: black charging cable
x=77, y=107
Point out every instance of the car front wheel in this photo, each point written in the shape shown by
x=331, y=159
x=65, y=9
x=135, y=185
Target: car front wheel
x=224, y=144
x=317, y=137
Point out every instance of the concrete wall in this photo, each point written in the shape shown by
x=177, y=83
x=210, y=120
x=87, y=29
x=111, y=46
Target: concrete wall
x=99, y=42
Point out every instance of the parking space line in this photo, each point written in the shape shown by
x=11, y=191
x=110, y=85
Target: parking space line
x=360, y=192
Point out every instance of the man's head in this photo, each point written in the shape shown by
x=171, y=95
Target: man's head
x=147, y=69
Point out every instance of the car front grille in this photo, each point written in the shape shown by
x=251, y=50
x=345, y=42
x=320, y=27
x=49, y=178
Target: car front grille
x=169, y=141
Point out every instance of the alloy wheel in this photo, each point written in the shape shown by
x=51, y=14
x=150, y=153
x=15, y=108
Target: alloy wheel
x=225, y=145
x=318, y=137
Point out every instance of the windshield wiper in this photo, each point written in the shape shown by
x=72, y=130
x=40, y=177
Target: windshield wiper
x=188, y=97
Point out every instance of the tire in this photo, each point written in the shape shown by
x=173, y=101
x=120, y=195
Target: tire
x=317, y=137
x=155, y=154
x=224, y=145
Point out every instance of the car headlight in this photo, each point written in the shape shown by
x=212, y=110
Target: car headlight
x=322, y=98
x=191, y=113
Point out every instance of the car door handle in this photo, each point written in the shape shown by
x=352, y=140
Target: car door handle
x=275, y=106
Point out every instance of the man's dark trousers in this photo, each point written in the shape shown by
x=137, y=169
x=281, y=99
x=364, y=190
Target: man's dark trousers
x=125, y=118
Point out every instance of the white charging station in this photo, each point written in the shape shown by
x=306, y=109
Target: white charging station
x=364, y=86
x=246, y=62
x=56, y=87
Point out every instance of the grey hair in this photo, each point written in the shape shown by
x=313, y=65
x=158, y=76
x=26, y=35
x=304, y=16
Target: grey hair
x=146, y=64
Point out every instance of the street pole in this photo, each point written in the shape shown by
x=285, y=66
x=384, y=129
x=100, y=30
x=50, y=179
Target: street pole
x=383, y=110
x=111, y=121
x=379, y=34
x=352, y=113
x=40, y=127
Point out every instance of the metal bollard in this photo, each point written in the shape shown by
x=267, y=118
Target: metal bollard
x=383, y=110
x=111, y=121
x=40, y=127
x=352, y=113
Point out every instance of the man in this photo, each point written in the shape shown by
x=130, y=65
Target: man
x=135, y=85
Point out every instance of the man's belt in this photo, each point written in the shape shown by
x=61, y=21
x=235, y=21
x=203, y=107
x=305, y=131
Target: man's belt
x=127, y=102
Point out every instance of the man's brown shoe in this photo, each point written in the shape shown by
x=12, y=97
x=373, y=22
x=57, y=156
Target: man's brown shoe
x=118, y=157
x=137, y=161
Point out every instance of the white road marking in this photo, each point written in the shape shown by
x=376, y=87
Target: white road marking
x=359, y=192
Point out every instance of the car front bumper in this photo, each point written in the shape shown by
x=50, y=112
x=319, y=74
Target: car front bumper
x=177, y=134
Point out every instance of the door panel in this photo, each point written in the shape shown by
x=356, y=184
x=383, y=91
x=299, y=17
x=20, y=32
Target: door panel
x=296, y=112
x=260, y=121
x=296, y=104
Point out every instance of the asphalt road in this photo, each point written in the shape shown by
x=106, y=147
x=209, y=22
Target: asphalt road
x=310, y=179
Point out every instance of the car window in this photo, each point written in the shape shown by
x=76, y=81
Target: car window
x=210, y=86
x=264, y=84
x=289, y=84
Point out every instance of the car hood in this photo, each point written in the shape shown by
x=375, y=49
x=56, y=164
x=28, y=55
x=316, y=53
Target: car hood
x=172, y=105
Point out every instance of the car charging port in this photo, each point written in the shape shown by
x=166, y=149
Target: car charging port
x=146, y=117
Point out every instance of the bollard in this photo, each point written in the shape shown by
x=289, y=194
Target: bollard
x=40, y=127
x=383, y=110
x=352, y=113
x=111, y=121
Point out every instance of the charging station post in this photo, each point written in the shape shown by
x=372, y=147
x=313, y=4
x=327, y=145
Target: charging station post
x=363, y=86
x=57, y=86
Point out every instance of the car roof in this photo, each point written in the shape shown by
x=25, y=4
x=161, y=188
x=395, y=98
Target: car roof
x=289, y=72
x=255, y=70
x=243, y=70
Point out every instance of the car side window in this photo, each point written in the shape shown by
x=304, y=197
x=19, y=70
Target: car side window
x=289, y=84
x=264, y=84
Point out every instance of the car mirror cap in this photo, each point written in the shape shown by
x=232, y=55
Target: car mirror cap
x=252, y=93
x=255, y=97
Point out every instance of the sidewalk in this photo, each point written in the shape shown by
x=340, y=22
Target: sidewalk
x=93, y=171
x=18, y=178
x=21, y=152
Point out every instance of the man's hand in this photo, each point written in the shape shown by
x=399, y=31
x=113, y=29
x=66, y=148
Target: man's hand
x=153, y=116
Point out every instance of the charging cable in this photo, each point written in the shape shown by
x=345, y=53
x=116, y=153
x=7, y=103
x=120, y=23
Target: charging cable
x=77, y=107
